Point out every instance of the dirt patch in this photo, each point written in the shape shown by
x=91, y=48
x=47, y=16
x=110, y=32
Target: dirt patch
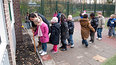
x=25, y=54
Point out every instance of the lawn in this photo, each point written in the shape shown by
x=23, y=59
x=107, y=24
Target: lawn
x=111, y=61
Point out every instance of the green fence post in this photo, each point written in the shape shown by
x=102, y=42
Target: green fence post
x=56, y=5
x=42, y=7
x=103, y=9
x=95, y=6
x=67, y=8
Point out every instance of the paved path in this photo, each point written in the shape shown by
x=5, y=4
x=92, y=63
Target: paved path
x=84, y=56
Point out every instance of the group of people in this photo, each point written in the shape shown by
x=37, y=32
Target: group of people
x=89, y=27
x=62, y=29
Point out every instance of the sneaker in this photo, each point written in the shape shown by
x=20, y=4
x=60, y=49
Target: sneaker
x=72, y=46
x=43, y=53
x=90, y=42
x=63, y=49
x=99, y=38
x=40, y=51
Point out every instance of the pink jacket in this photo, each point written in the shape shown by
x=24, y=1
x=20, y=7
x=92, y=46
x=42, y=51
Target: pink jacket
x=45, y=30
x=55, y=15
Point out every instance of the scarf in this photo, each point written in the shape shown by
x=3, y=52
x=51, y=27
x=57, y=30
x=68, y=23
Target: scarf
x=39, y=30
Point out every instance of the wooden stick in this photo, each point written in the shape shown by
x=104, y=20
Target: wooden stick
x=34, y=41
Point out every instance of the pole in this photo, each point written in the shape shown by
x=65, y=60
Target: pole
x=56, y=5
x=67, y=7
x=42, y=7
x=95, y=6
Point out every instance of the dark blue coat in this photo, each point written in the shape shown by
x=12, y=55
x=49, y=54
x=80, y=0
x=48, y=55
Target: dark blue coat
x=70, y=27
x=55, y=33
x=111, y=23
x=94, y=23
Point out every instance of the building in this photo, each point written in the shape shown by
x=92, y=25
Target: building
x=10, y=29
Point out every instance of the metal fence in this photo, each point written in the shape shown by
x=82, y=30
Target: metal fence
x=48, y=7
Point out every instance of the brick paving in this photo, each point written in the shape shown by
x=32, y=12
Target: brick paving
x=84, y=56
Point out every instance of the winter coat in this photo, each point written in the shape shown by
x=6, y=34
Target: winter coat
x=45, y=30
x=44, y=20
x=70, y=27
x=64, y=30
x=101, y=22
x=85, y=28
x=94, y=23
x=55, y=33
x=111, y=23
x=55, y=15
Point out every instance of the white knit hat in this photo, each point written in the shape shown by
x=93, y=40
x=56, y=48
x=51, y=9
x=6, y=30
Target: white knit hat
x=54, y=19
x=70, y=17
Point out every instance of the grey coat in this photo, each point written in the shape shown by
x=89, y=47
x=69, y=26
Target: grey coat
x=101, y=22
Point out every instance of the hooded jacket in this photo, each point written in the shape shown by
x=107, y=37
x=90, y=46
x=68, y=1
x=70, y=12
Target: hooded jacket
x=85, y=28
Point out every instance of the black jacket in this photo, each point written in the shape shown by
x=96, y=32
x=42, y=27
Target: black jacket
x=94, y=23
x=64, y=30
x=55, y=33
x=71, y=27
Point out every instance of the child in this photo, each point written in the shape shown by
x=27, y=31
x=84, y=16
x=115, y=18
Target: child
x=94, y=24
x=55, y=32
x=55, y=14
x=42, y=31
x=111, y=26
x=71, y=30
x=101, y=23
x=85, y=29
x=64, y=33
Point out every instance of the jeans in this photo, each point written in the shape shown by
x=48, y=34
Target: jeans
x=44, y=47
x=111, y=31
x=92, y=34
x=84, y=42
x=99, y=32
x=70, y=40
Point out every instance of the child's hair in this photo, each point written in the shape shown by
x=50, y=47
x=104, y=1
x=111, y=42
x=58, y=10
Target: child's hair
x=100, y=13
x=92, y=15
x=39, y=18
x=63, y=18
x=32, y=15
x=85, y=16
x=54, y=20
x=70, y=17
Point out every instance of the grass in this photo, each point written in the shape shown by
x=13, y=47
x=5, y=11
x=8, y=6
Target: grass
x=111, y=61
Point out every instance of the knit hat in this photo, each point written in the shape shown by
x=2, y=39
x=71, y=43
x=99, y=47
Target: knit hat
x=69, y=17
x=54, y=19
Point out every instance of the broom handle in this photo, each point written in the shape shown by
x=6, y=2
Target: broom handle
x=34, y=41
